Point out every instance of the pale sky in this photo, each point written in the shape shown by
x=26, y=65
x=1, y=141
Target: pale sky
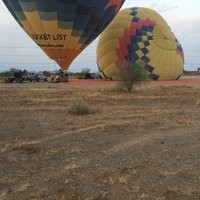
x=18, y=50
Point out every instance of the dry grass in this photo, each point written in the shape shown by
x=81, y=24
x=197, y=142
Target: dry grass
x=26, y=148
x=198, y=103
x=79, y=107
x=141, y=145
x=118, y=88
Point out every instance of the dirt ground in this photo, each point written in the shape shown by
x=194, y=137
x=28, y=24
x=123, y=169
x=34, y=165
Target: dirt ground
x=143, y=145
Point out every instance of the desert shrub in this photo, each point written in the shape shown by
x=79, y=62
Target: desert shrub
x=136, y=74
x=131, y=74
x=26, y=148
x=198, y=103
x=79, y=107
x=119, y=88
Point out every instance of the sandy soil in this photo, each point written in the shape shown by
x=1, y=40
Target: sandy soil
x=143, y=145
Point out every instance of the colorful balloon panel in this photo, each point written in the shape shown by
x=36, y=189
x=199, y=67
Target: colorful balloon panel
x=63, y=28
x=140, y=35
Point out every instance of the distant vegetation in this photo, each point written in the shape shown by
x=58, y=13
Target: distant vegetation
x=85, y=73
x=12, y=71
x=185, y=72
x=24, y=72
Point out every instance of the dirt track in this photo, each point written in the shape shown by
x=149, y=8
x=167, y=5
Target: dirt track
x=139, y=146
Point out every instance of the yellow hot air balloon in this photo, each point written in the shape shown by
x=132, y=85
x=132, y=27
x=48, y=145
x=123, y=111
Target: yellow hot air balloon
x=63, y=28
x=142, y=36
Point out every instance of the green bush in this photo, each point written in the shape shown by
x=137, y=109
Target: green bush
x=131, y=74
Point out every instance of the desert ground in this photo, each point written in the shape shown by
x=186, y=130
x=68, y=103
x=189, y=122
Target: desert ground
x=143, y=145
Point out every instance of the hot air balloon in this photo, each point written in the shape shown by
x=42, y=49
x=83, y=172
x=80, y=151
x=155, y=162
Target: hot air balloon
x=141, y=36
x=63, y=28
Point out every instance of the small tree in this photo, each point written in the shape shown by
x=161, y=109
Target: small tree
x=46, y=73
x=85, y=71
x=132, y=73
x=25, y=72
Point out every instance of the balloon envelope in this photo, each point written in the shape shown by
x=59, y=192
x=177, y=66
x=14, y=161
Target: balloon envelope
x=140, y=35
x=63, y=28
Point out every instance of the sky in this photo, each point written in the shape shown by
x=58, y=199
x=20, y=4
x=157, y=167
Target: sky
x=19, y=51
